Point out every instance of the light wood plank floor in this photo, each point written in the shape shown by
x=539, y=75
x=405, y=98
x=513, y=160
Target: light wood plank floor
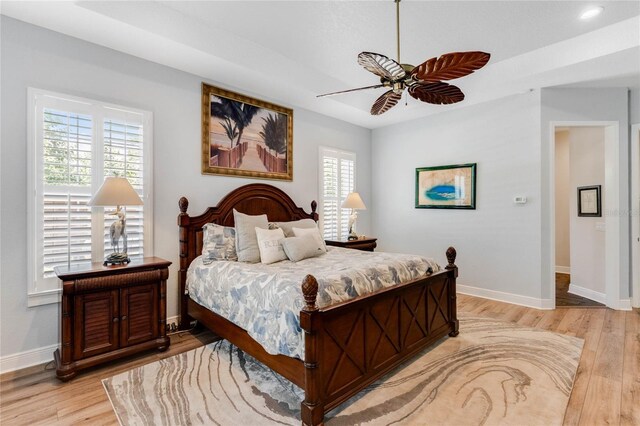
x=606, y=390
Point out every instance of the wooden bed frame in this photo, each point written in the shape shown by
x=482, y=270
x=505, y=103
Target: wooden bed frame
x=347, y=345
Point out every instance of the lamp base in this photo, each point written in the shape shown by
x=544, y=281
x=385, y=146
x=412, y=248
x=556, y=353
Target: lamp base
x=353, y=237
x=116, y=259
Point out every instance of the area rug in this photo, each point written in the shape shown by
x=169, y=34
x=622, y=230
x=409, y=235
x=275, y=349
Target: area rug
x=493, y=373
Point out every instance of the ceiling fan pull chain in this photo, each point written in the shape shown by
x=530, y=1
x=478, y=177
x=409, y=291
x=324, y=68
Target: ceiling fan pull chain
x=398, y=27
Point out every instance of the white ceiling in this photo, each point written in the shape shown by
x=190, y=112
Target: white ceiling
x=288, y=51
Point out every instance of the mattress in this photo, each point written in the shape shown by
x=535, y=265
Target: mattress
x=266, y=300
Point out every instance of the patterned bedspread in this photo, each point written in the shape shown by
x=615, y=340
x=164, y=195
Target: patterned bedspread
x=266, y=300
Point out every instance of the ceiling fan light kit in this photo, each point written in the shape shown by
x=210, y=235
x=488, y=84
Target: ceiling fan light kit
x=423, y=82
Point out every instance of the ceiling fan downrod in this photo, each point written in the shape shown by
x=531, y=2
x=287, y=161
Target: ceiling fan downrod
x=398, y=28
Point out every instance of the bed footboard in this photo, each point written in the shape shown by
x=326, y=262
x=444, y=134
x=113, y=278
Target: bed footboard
x=350, y=345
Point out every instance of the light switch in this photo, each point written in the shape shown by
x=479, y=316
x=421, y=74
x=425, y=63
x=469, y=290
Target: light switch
x=600, y=226
x=520, y=200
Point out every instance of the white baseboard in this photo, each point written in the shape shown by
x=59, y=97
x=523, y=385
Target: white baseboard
x=39, y=355
x=500, y=296
x=624, y=305
x=563, y=269
x=588, y=293
x=27, y=358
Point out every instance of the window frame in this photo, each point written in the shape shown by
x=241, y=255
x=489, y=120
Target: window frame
x=39, y=292
x=341, y=154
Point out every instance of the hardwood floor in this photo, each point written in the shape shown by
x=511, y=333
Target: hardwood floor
x=564, y=298
x=606, y=390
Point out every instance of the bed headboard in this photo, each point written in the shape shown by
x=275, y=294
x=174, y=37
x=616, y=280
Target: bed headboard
x=253, y=199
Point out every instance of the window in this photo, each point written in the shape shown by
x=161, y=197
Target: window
x=74, y=144
x=337, y=179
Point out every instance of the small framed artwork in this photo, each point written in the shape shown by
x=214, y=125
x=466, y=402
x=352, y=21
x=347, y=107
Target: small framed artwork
x=446, y=187
x=589, y=201
x=245, y=137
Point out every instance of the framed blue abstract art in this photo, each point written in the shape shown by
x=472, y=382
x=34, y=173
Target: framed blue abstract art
x=446, y=187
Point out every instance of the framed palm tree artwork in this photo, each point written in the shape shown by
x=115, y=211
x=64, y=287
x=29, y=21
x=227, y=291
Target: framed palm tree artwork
x=245, y=137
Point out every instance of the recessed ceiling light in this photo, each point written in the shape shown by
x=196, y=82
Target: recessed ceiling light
x=591, y=12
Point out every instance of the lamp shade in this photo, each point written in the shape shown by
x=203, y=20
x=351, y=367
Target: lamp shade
x=353, y=201
x=115, y=191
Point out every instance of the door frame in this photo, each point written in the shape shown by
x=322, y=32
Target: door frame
x=611, y=199
x=635, y=214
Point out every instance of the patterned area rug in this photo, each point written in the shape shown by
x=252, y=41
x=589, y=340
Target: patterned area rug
x=492, y=373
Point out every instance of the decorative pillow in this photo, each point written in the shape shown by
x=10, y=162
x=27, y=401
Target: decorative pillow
x=315, y=232
x=270, y=245
x=298, y=248
x=246, y=240
x=218, y=243
x=287, y=227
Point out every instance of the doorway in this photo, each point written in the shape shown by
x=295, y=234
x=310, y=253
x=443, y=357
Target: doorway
x=580, y=228
x=587, y=267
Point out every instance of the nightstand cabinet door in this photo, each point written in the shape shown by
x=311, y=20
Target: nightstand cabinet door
x=96, y=323
x=138, y=314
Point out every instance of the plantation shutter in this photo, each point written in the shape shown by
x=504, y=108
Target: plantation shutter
x=347, y=184
x=337, y=180
x=65, y=227
x=123, y=157
x=74, y=144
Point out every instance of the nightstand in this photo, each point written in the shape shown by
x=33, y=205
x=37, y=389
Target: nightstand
x=109, y=312
x=364, y=244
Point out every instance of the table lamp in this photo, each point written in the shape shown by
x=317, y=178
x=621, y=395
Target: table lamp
x=116, y=191
x=353, y=202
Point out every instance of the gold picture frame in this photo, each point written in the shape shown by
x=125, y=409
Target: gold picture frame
x=245, y=137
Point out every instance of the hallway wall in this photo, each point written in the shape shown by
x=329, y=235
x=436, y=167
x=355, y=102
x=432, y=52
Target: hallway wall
x=563, y=259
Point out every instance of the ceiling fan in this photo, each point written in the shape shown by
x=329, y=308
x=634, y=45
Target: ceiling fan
x=423, y=82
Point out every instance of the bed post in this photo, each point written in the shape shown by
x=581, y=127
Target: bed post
x=312, y=408
x=453, y=305
x=183, y=222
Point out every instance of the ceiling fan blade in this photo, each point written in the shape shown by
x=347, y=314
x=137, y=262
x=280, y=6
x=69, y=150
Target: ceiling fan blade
x=436, y=93
x=375, y=86
x=385, y=102
x=381, y=66
x=450, y=66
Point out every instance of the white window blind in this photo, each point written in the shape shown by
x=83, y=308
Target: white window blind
x=66, y=218
x=75, y=144
x=337, y=180
x=124, y=156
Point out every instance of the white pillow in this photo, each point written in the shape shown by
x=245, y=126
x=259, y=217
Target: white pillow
x=315, y=232
x=287, y=227
x=298, y=248
x=270, y=245
x=246, y=242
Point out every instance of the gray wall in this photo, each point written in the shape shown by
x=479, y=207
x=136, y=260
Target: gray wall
x=510, y=140
x=634, y=106
x=562, y=169
x=498, y=243
x=32, y=56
